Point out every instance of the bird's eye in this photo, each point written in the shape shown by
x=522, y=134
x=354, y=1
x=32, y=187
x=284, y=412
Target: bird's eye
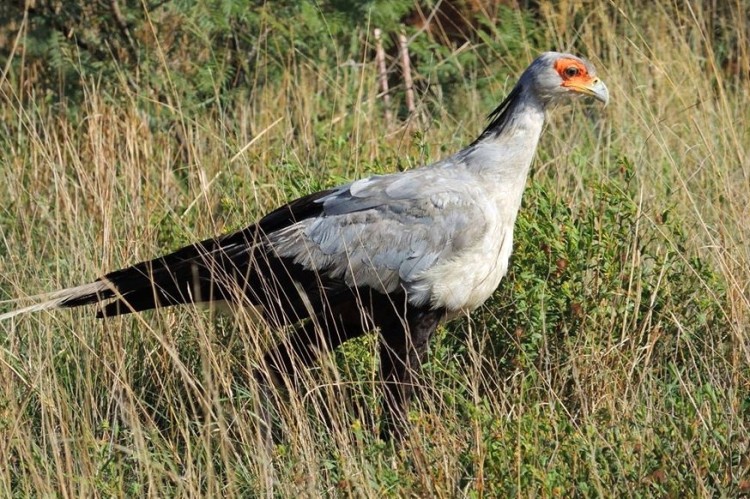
x=571, y=71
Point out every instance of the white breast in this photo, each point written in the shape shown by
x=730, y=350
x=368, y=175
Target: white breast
x=465, y=282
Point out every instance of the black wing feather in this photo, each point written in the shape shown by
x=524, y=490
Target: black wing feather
x=218, y=268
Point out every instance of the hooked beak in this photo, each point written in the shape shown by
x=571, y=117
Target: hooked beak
x=595, y=88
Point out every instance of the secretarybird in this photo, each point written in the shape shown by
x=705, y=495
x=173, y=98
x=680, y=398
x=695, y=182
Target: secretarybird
x=397, y=253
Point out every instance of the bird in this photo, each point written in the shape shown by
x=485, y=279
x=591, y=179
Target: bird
x=397, y=253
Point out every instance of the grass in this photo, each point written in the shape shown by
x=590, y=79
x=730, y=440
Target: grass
x=613, y=360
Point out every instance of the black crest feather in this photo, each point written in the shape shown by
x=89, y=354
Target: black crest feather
x=501, y=116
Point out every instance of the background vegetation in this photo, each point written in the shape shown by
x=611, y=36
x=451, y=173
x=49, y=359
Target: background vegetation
x=613, y=360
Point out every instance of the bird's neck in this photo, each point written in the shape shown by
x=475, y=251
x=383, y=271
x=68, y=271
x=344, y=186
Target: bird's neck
x=504, y=151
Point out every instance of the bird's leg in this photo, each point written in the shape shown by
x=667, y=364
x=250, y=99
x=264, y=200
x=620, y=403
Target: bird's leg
x=403, y=349
x=283, y=364
x=319, y=335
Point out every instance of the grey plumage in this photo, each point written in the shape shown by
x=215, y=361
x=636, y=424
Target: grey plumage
x=385, y=232
x=399, y=252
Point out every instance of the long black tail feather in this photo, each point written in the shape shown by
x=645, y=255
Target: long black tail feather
x=234, y=267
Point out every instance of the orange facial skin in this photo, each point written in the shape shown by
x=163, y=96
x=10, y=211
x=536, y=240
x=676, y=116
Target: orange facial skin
x=573, y=73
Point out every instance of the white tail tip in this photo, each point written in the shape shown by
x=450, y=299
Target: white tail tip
x=53, y=300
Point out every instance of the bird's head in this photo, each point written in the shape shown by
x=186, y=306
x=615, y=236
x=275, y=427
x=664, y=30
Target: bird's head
x=555, y=77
